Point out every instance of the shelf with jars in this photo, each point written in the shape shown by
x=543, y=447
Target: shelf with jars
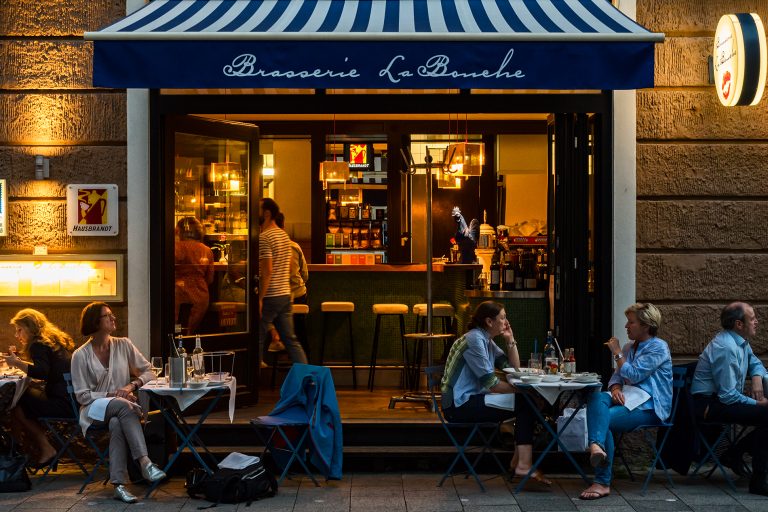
x=356, y=210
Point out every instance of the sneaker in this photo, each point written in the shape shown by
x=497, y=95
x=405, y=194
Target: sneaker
x=124, y=495
x=276, y=346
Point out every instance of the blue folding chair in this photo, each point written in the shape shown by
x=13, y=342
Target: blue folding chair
x=664, y=428
x=64, y=430
x=727, y=433
x=479, y=430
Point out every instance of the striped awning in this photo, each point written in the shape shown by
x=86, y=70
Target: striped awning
x=488, y=44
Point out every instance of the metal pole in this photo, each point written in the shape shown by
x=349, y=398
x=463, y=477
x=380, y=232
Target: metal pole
x=428, y=160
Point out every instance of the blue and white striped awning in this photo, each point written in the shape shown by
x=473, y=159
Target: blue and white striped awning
x=490, y=44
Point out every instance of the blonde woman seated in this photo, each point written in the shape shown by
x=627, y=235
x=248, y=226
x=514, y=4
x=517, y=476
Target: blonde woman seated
x=470, y=377
x=106, y=373
x=645, y=364
x=44, y=355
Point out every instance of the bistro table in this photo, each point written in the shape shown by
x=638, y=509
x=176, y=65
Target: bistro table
x=19, y=379
x=552, y=392
x=158, y=393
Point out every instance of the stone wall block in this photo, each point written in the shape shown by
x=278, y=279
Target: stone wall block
x=69, y=164
x=48, y=64
x=33, y=223
x=702, y=225
x=40, y=119
x=696, y=277
x=57, y=17
x=682, y=61
x=701, y=169
x=688, y=328
x=697, y=114
x=692, y=16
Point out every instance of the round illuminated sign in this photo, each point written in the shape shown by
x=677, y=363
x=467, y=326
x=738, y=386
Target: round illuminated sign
x=740, y=59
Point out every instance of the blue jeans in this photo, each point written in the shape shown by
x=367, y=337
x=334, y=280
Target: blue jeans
x=603, y=419
x=277, y=311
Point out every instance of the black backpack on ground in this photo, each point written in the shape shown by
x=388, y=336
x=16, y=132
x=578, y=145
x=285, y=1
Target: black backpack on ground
x=225, y=485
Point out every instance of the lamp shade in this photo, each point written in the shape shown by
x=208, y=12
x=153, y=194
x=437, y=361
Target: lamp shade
x=334, y=171
x=225, y=176
x=447, y=181
x=466, y=158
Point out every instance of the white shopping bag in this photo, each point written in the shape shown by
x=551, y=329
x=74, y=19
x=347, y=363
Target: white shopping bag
x=574, y=437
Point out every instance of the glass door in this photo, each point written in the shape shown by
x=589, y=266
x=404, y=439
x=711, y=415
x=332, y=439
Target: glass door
x=574, y=205
x=210, y=253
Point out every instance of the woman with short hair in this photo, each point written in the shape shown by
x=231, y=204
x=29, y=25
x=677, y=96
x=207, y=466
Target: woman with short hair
x=644, y=364
x=106, y=374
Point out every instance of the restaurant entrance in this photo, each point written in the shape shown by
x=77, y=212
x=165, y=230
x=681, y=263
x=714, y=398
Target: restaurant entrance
x=294, y=135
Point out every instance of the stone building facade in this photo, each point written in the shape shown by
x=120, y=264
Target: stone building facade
x=49, y=107
x=702, y=204
x=702, y=182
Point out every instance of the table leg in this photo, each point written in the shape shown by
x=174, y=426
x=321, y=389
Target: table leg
x=188, y=435
x=555, y=439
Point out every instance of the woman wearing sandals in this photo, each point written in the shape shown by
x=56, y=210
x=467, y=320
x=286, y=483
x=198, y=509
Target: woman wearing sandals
x=645, y=364
x=106, y=374
x=470, y=378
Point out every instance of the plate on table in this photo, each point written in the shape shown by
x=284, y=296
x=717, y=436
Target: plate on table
x=551, y=378
x=218, y=377
x=531, y=379
x=586, y=378
x=520, y=372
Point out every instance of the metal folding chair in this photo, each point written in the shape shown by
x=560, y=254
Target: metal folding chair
x=64, y=431
x=90, y=438
x=479, y=430
x=664, y=428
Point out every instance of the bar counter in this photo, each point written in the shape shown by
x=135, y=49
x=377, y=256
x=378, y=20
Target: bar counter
x=406, y=267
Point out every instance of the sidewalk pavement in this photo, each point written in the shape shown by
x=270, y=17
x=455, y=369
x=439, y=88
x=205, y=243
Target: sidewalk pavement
x=399, y=492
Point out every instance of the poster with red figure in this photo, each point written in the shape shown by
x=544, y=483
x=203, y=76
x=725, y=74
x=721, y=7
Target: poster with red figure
x=92, y=210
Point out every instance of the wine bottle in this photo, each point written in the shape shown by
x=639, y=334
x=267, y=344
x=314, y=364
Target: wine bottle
x=495, y=272
x=197, y=359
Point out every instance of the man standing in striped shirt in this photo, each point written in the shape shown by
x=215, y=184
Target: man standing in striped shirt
x=274, y=282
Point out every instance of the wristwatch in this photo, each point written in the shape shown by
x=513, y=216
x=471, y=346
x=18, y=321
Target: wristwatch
x=618, y=356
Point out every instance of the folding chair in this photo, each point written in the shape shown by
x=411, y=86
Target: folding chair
x=64, y=430
x=434, y=375
x=664, y=428
x=290, y=427
x=90, y=438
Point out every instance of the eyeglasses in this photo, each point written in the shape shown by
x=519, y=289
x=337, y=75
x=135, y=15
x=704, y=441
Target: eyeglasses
x=110, y=315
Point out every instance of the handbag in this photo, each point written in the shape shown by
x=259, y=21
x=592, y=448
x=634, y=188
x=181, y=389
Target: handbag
x=13, y=468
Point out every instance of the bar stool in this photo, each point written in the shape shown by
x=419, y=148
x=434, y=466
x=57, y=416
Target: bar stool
x=445, y=313
x=298, y=310
x=339, y=308
x=399, y=310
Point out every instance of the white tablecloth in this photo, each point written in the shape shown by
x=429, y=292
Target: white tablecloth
x=551, y=390
x=187, y=396
x=21, y=381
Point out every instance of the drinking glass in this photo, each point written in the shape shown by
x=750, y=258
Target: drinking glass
x=157, y=366
x=167, y=371
x=535, y=361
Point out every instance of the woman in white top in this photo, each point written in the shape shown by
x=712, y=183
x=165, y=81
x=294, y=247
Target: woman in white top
x=106, y=373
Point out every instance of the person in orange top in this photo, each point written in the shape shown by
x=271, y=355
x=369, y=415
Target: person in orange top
x=194, y=271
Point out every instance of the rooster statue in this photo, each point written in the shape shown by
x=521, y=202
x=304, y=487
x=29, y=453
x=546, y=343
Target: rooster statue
x=466, y=235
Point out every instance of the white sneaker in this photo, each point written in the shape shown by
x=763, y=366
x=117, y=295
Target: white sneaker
x=124, y=495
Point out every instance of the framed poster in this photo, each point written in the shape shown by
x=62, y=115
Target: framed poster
x=92, y=210
x=3, y=209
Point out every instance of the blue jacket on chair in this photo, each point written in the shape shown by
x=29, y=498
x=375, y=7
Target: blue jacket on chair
x=308, y=394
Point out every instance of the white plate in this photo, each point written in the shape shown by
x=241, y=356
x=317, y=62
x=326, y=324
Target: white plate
x=522, y=371
x=530, y=379
x=550, y=378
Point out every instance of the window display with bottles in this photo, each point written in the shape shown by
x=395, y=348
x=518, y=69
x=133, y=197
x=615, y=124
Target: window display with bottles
x=356, y=209
x=211, y=228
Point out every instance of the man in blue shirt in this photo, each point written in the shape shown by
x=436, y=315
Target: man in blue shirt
x=718, y=390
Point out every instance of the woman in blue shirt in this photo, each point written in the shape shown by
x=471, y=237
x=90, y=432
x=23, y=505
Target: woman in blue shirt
x=470, y=376
x=644, y=364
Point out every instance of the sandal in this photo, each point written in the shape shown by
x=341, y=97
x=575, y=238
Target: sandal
x=536, y=481
x=590, y=493
x=598, y=459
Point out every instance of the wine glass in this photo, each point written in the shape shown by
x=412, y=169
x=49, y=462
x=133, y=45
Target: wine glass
x=157, y=366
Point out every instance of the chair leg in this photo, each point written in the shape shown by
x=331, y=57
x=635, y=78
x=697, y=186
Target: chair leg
x=374, y=352
x=322, y=340
x=352, y=351
x=273, y=380
x=618, y=452
x=404, y=374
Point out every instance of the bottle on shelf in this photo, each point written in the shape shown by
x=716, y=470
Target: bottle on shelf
x=529, y=276
x=519, y=282
x=197, y=359
x=495, y=283
x=508, y=272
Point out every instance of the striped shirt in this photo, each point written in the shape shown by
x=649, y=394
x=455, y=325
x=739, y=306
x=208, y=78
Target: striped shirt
x=469, y=369
x=275, y=245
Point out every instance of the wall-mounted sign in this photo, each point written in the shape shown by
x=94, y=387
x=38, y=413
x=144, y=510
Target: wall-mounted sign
x=739, y=57
x=92, y=210
x=3, y=209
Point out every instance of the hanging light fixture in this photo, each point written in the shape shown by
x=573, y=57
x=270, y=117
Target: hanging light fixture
x=333, y=171
x=446, y=180
x=465, y=158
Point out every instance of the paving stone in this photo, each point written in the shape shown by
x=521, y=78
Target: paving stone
x=491, y=508
x=659, y=505
x=597, y=507
x=488, y=498
x=758, y=505
x=545, y=503
x=718, y=508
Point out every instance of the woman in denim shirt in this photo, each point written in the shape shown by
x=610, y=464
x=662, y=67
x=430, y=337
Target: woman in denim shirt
x=645, y=364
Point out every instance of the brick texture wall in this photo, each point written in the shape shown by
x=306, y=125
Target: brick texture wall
x=48, y=107
x=702, y=182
